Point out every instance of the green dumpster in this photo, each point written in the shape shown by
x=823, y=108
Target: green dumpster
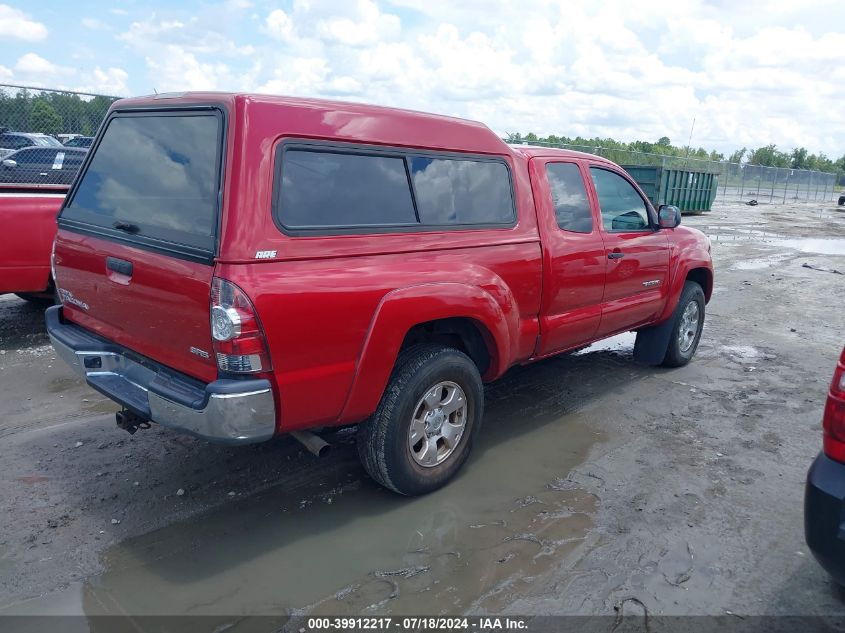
x=690, y=191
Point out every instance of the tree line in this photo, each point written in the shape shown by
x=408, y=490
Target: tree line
x=767, y=156
x=52, y=112
x=69, y=113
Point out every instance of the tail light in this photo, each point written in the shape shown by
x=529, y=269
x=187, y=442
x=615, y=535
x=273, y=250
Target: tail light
x=834, y=415
x=239, y=342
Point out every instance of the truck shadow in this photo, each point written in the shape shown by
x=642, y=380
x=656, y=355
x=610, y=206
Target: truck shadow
x=323, y=526
x=21, y=323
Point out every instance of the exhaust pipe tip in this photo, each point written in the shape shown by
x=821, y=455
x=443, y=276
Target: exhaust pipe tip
x=315, y=444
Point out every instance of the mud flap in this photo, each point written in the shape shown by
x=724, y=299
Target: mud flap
x=652, y=342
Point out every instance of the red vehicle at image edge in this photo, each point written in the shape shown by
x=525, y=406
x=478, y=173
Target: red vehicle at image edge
x=29, y=221
x=824, y=498
x=241, y=266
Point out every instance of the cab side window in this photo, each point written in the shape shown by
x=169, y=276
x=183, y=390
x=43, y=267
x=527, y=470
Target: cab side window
x=622, y=208
x=569, y=197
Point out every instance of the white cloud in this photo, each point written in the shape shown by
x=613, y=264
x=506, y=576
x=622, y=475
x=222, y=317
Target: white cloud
x=16, y=24
x=299, y=77
x=94, y=24
x=364, y=25
x=191, y=35
x=32, y=69
x=279, y=25
x=33, y=64
x=108, y=81
x=750, y=74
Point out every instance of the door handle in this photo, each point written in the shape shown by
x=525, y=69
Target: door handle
x=615, y=255
x=119, y=266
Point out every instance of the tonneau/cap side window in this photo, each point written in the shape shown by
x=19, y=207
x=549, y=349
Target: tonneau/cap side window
x=336, y=189
x=323, y=189
x=461, y=191
x=157, y=175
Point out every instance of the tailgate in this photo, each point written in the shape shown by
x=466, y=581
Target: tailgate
x=137, y=236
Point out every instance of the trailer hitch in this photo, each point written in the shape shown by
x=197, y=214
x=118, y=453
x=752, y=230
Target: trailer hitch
x=130, y=422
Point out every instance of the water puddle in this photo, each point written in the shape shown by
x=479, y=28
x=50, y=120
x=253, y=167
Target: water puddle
x=821, y=246
x=741, y=353
x=761, y=263
x=358, y=548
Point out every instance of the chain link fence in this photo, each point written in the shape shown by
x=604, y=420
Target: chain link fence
x=45, y=134
x=736, y=182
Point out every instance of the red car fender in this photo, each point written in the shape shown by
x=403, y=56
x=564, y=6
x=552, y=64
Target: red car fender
x=684, y=262
x=402, y=309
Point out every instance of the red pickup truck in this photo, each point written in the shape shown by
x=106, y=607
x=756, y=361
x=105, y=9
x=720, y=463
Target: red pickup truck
x=239, y=266
x=28, y=217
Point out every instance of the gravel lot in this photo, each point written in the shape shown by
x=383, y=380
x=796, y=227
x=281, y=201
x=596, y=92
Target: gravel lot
x=597, y=484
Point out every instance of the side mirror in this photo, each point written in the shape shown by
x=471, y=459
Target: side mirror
x=669, y=216
x=10, y=163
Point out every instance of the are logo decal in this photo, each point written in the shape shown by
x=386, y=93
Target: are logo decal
x=265, y=254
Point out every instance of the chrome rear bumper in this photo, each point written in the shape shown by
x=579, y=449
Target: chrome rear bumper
x=227, y=410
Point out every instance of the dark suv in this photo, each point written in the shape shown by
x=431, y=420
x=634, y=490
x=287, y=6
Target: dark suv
x=42, y=165
x=12, y=141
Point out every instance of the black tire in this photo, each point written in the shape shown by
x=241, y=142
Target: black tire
x=676, y=356
x=383, y=440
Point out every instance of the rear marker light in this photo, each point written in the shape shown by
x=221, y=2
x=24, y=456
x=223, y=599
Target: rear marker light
x=239, y=342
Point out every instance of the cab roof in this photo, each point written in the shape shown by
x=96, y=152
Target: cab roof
x=532, y=151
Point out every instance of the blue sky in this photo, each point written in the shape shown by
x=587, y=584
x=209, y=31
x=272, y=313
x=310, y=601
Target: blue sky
x=750, y=73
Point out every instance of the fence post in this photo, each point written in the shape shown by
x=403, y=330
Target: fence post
x=759, y=182
x=785, y=187
x=774, y=182
x=742, y=183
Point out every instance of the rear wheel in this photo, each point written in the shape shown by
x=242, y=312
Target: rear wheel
x=424, y=427
x=686, y=332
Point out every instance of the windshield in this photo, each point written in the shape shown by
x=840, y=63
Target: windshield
x=154, y=175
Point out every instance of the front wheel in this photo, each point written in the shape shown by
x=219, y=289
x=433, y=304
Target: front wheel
x=686, y=332
x=424, y=427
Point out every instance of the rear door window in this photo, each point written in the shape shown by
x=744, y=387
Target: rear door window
x=156, y=173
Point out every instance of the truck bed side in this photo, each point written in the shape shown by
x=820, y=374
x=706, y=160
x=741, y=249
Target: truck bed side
x=28, y=218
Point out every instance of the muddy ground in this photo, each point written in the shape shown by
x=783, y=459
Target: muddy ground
x=597, y=483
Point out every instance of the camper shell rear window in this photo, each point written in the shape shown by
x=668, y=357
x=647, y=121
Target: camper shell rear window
x=154, y=178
